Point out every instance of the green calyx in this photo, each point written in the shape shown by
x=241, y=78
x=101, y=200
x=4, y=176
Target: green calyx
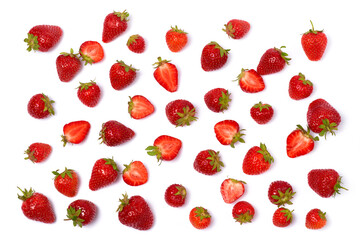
x=322, y=215
x=48, y=104
x=224, y=100
x=132, y=39
x=124, y=16
x=288, y=214
x=66, y=172
x=26, y=194
x=222, y=50
x=215, y=161
x=85, y=86
x=160, y=62
x=202, y=213
x=312, y=30
x=181, y=191
x=262, y=106
x=327, y=127
x=111, y=162
x=123, y=202
x=267, y=156
x=176, y=29
x=154, y=151
x=241, y=75
x=87, y=59
x=238, y=137
x=244, y=217
x=229, y=30
x=304, y=80
x=127, y=67
x=186, y=117
x=338, y=186
x=307, y=133
x=283, y=54
x=30, y=155
x=283, y=197
x=73, y=214
x=32, y=42
x=71, y=54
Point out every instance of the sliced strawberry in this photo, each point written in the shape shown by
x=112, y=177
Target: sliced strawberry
x=231, y=190
x=250, y=81
x=165, y=148
x=228, y=132
x=91, y=52
x=140, y=107
x=135, y=173
x=75, y=132
x=166, y=74
x=300, y=142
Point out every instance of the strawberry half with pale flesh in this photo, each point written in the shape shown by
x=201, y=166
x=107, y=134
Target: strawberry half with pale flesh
x=250, y=81
x=75, y=132
x=165, y=148
x=232, y=189
x=300, y=142
x=228, y=132
x=91, y=52
x=166, y=74
x=140, y=107
x=135, y=173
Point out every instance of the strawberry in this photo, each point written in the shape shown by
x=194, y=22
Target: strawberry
x=38, y=152
x=272, y=61
x=82, y=212
x=213, y=57
x=280, y=193
x=135, y=173
x=315, y=219
x=217, y=99
x=282, y=217
x=165, y=148
x=299, y=87
x=325, y=182
x=175, y=195
x=322, y=117
x=104, y=173
x=40, y=106
x=176, y=39
x=114, y=133
x=89, y=93
x=200, y=218
x=75, y=132
x=208, y=162
x=257, y=160
x=250, y=81
x=115, y=24
x=232, y=189
x=300, y=142
x=180, y=112
x=68, y=65
x=36, y=206
x=135, y=212
x=243, y=212
x=67, y=182
x=43, y=37
x=136, y=43
x=140, y=107
x=166, y=74
x=236, y=28
x=262, y=113
x=122, y=75
x=228, y=132
x=314, y=43
x=91, y=52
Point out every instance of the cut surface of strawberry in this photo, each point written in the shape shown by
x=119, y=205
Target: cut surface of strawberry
x=228, y=132
x=91, y=52
x=140, y=107
x=300, y=142
x=135, y=173
x=166, y=74
x=75, y=132
x=165, y=148
x=250, y=81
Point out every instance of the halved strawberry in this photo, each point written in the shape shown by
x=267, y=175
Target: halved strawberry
x=300, y=142
x=228, y=132
x=140, y=107
x=165, y=148
x=75, y=132
x=250, y=81
x=135, y=173
x=91, y=52
x=166, y=74
x=232, y=189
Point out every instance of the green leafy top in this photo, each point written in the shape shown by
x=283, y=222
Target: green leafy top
x=283, y=54
x=222, y=50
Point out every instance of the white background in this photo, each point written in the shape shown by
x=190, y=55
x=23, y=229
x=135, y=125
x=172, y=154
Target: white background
x=273, y=24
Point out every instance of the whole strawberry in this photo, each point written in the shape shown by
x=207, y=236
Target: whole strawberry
x=250, y=81
x=82, y=212
x=208, y=162
x=299, y=87
x=175, y=195
x=325, y=182
x=43, y=37
x=300, y=142
x=121, y=75
x=200, y=218
x=135, y=212
x=38, y=152
x=272, y=61
x=314, y=43
x=89, y=93
x=232, y=189
x=40, y=106
x=36, y=206
x=280, y=193
x=91, y=52
x=282, y=217
x=136, y=43
x=213, y=57
x=165, y=147
x=180, y=112
x=243, y=212
x=67, y=182
x=176, y=39
x=315, y=219
x=262, y=113
x=114, y=133
x=236, y=28
x=115, y=24
x=166, y=74
x=217, y=99
x=257, y=160
x=68, y=65
x=322, y=118
x=104, y=173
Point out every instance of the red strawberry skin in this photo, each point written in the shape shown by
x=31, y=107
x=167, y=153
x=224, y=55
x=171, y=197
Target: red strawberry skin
x=200, y=218
x=88, y=211
x=272, y=61
x=282, y=217
x=314, y=43
x=114, y=25
x=121, y=75
x=262, y=113
x=40, y=106
x=299, y=87
x=217, y=99
x=213, y=57
x=114, y=133
x=250, y=81
x=166, y=74
x=104, y=173
x=176, y=39
x=208, y=162
x=325, y=182
x=136, y=43
x=243, y=212
x=180, y=112
x=38, y=152
x=237, y=28
x=89, y=93
x=280, y=193
x=68, y=65
x=43, y=37
x=257, y=160
x=175, y=195
x=315, y=219
x=67, y=182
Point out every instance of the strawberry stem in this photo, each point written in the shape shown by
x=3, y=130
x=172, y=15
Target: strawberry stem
x=215, y=162
x=327, y=127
